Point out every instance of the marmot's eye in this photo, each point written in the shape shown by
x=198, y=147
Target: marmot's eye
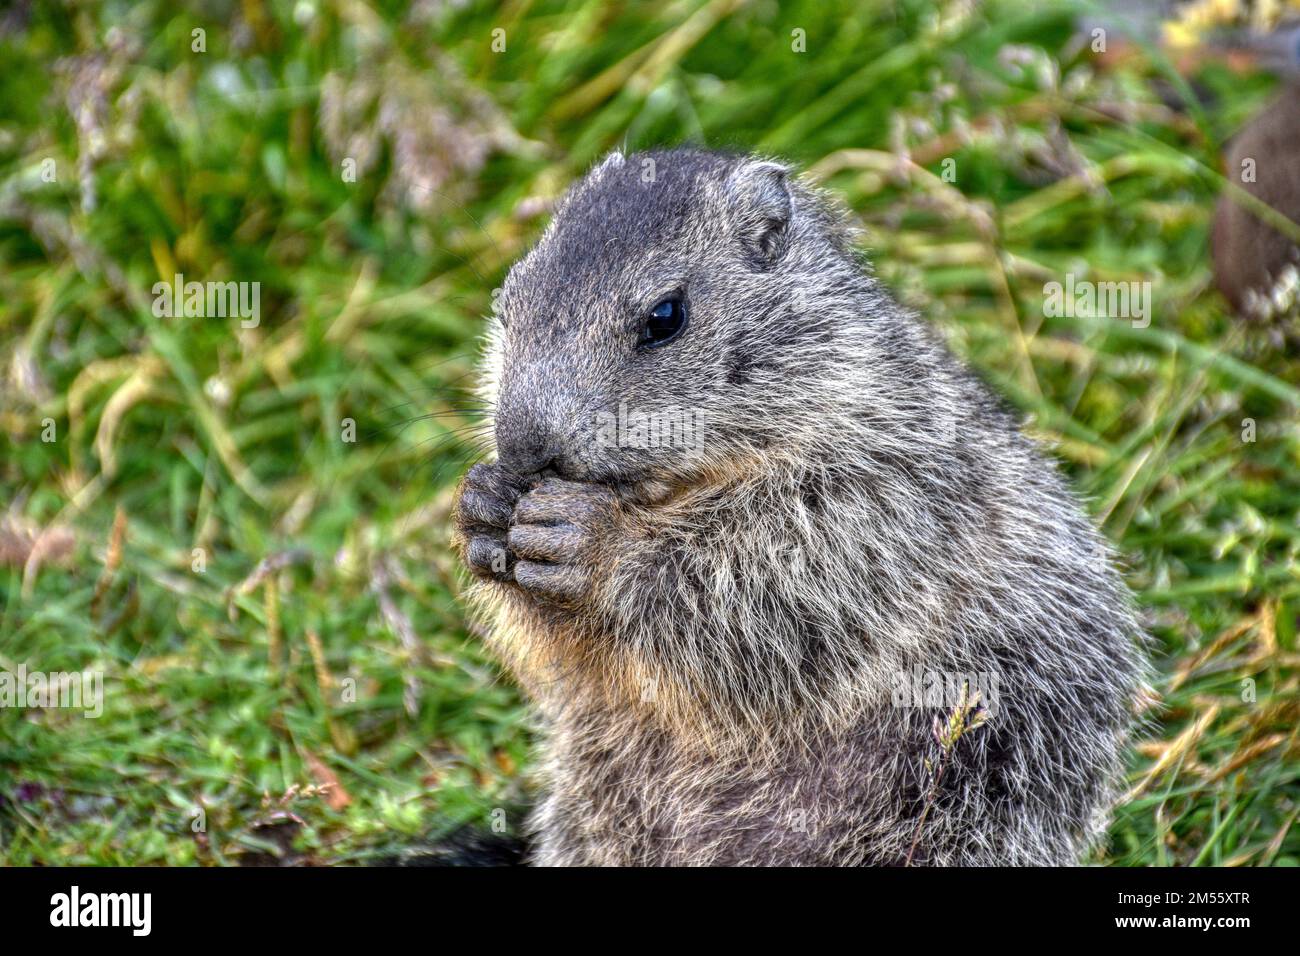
x=664, y=323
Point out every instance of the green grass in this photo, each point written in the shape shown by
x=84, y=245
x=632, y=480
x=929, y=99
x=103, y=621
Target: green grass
x=245, y=694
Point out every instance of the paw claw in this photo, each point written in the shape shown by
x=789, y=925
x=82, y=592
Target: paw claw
x=488, y=496
x=562, y=583
x=489, y=556
x=553, y=543
x=484, y=505
x=556, y=535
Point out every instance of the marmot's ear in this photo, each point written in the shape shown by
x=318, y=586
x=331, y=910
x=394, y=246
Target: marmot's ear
x=611, y=162
x=759, y=197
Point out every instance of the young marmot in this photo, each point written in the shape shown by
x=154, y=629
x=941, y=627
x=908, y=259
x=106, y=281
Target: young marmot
x=749, y=643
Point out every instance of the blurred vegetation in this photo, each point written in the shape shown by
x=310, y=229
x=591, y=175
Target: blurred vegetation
x=289, y=675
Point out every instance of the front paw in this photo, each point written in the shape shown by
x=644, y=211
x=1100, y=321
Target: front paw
x=560, y=531
x=484, y=504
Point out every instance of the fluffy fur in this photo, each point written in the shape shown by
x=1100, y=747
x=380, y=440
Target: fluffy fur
x=715, y=636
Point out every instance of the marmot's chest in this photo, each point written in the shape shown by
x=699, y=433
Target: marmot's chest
x=635, y=799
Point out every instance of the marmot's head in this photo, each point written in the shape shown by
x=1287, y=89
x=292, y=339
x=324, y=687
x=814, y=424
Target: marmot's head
x=667, y=319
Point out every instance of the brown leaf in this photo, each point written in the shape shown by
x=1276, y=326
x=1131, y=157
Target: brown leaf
x=335, y=795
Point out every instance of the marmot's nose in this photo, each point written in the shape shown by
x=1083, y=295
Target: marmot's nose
x=537, y=419
x=527, y=455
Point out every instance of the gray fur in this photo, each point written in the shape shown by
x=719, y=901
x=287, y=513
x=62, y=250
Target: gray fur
x=714, y=639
